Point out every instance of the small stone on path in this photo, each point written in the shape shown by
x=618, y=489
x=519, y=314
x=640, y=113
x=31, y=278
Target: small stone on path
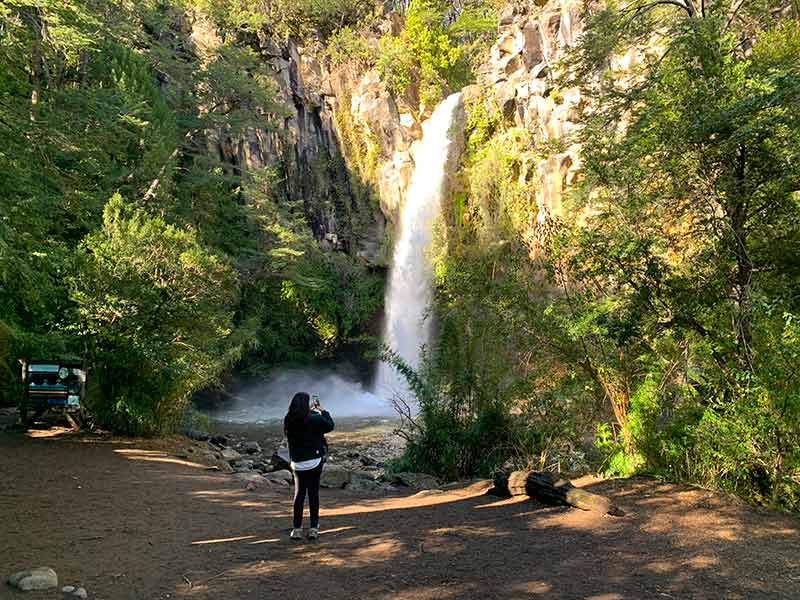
x=40, y=578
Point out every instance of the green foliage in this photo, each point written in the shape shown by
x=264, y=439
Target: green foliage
x=323, y=16
x=350, y=45
x=361, y=151
x=614, y=459
x=436, y=49
x=692, y=208
x=658, y=310
x=450, y=438
x=483, y=120
x=156, y=307
x=204, y=266
x=499, y=188
x=395, y=64
x=282, y=18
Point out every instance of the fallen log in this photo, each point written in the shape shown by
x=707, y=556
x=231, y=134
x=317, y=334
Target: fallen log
x=550, y=490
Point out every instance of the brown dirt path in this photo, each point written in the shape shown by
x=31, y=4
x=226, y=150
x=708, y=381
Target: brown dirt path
x=130, y=522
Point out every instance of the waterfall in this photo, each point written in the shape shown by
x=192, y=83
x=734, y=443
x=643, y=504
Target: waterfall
x=407, y=298
x=409, y=294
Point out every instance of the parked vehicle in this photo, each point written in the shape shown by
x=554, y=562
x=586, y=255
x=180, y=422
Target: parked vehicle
x=56, y=386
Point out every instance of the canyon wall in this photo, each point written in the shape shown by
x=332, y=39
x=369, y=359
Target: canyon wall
x=346, y=145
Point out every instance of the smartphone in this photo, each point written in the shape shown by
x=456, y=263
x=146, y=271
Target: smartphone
x=314, y=401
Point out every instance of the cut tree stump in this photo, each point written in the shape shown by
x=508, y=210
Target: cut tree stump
x=550, y=490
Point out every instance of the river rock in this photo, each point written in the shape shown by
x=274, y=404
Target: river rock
x=219, y=440
x=282, y=476
x=361, y=481
x=40, y=578
x=250, y=447
x=219, y=465
x=280, y=459
x=230, y=455
x=252, y=481
x=197, y=435
x=367, y=460
x=418, y=481
x=334, y=477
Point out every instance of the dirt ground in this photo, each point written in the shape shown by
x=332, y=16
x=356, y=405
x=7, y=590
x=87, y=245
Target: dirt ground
x=128, y=520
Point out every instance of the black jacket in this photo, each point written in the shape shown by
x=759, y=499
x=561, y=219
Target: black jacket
x=307, y=440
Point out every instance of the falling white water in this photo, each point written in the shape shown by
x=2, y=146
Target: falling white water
x=407, y=300
x=409, y=294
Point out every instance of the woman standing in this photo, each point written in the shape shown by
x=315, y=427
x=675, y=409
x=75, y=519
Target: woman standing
x=305, y=426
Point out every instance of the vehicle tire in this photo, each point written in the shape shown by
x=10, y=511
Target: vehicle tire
x=28, y=415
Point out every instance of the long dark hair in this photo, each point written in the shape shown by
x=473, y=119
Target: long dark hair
x=299, y=410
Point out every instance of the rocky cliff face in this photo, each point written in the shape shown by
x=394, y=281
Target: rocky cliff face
x=343, y=132
x=302, y=142
x=519, y=76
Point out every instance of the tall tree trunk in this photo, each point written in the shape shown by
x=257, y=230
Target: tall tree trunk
x=83, y=67
x=39, y=68
x=744, y=264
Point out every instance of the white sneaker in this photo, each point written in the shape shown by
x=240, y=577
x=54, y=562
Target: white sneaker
x=313, y=533
x=297, y=534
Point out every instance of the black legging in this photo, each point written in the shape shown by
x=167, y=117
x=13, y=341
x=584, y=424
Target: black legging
x=307, y=481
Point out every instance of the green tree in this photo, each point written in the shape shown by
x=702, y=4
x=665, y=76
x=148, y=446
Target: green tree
x=685, y=253
x=155, y=308
x=436, y=48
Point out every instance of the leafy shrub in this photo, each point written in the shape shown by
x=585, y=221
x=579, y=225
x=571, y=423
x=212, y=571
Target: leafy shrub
x=395, y=64
x=155, y=307
x=449, y=436
x=301, y=18
x=436, y=49
x=350, y=45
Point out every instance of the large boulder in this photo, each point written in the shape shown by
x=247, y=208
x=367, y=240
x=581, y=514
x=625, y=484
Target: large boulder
x=242, y=466
x=230, y=455
x=417, y=481
x=40, y=578
x=280, y=459
x=198, y=435
x=284, y=476
x=219, y=440
x=335, y=477
x=250, y=447
x=252, y=481
x=362, y=481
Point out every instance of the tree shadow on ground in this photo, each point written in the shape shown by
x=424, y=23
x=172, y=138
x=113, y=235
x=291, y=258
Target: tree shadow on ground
x=676, y=541
x=132, y=522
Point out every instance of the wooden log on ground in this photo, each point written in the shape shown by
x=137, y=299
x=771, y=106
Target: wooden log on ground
x=551, y=490
x=516, y=483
